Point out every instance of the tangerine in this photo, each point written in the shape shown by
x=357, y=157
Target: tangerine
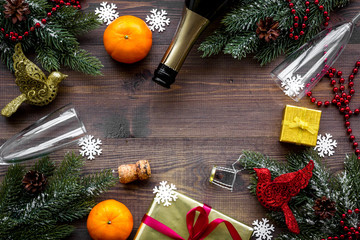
x=127, y=39
x=110, y=220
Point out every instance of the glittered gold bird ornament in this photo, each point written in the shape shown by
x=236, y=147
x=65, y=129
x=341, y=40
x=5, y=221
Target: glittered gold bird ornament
x=35, y=88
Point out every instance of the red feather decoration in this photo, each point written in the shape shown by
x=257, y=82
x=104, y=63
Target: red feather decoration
x=276, y=194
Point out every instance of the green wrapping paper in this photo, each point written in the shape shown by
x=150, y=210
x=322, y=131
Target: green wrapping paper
x=174, y=216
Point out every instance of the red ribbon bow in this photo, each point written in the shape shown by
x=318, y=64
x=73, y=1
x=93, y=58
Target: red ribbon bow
x=198, y=230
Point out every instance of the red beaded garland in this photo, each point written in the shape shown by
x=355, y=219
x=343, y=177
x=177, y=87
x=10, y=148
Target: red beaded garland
x=296, y=18
x=349, y=232
x=342, y=99
x=18, y=37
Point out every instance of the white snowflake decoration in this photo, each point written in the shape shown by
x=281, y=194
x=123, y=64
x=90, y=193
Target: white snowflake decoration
x=262, y=229
x=107, y=12
x=157, y=20
x=165, y=193
x=90, y=147
x=325, y=145
x=292, y=85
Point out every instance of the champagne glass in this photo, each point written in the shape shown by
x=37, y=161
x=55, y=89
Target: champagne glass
x=304, y=68
x=52, y=132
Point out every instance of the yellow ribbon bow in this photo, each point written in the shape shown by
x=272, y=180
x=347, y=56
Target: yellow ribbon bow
x=298, y=123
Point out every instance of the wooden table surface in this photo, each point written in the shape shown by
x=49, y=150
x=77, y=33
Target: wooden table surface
x=217, y=107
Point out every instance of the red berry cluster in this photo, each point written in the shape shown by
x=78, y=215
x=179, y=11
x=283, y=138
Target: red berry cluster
x=350, y=233
x=13, y=36
x=342, y=99
x=298, y=28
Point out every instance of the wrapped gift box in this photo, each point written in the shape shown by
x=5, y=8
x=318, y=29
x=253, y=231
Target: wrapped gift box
x=300, y=125
x=174, y=217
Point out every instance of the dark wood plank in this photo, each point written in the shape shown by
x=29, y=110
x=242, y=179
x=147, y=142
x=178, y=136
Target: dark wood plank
x=217, y=108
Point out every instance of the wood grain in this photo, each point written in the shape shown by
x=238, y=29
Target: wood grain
x=217, y=108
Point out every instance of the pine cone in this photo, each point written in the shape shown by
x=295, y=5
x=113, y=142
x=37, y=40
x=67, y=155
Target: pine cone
x=324, y=208
x=34, y=182
x=16, y=9
x=267, y=29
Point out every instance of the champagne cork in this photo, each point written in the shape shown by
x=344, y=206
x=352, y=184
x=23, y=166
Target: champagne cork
x=130, y=172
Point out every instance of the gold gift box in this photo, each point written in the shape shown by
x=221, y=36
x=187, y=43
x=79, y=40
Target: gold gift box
x=174, y=216
x=300, y=125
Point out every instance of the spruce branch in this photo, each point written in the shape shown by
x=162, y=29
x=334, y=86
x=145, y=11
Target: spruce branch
x=341, y=188
x=47, y=215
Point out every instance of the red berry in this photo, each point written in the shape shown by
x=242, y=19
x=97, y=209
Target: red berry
x=16, y=34
x=334, y=101
x=355, y=70
x=296, y=37
x=343, y=216
x=325, y=13
x=321, y=7
x=313, y=99
x=316, y=2
x=352, y=91
x=331, y=75
x=309, y=93
x=7, y=35
x=307, y=3
x=355, y=144
x=305, y=18
x=351, y=77
x=333, y=82
x=335, y=89
x=342, y=223
x=319, y=103
x=326, y=103
x=291, y=5
x=11, y=33
x=61, y=2
x=291, y=35
x=43, y=21
x=347, y=109
x=13, y=38
x=333, y=70
x=326, y=24
x=342, y=88
x=2, y=30
x=67, y=4
x=356, y=111
x=352, y=138
x=37, y=25
x=347, y=116
x=291, y=29
x=296, y=25
x=338, y=104
x=342, y=109
x=49, y=14
x=79, y=7
x=327, y=19
x=351, y=84
x=26, y=34
x=356, y=210
x=301, y=32
x=337, y=97
x=350, y=112
x=303, y=25
x=348, y=97
x=20, y=38
x=296, y=18
x=307, y=10
x=53, y=9
x=358, y=63
x=339, y=73
x=342, y=80
x=346, y=102
x=344, y=95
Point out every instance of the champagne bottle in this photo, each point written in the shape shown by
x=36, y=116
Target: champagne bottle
x=195, y=18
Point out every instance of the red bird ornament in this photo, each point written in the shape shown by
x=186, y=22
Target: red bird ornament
x=276, y=194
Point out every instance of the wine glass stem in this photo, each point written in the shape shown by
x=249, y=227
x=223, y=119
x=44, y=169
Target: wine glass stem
x=356, y=19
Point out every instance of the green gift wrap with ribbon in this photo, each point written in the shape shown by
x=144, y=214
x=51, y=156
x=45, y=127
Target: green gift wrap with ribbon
x=188, y=219
x=300, y=125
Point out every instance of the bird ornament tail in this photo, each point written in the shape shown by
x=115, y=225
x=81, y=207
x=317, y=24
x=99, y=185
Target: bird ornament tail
x=12, y=106
x=290, y=219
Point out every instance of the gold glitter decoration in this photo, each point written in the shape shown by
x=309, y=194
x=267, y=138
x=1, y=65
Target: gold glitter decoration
x=36, y=89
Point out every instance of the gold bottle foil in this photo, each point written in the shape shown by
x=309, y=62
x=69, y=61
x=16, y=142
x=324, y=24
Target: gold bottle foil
x=191, y=26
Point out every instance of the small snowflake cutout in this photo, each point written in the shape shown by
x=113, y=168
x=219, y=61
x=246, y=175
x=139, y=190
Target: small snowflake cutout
x=165, y=193
x=262, y=229
x=90, y=147
x=107, y=12
x=157, y=20
x=292, y=85
x=325, y=145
